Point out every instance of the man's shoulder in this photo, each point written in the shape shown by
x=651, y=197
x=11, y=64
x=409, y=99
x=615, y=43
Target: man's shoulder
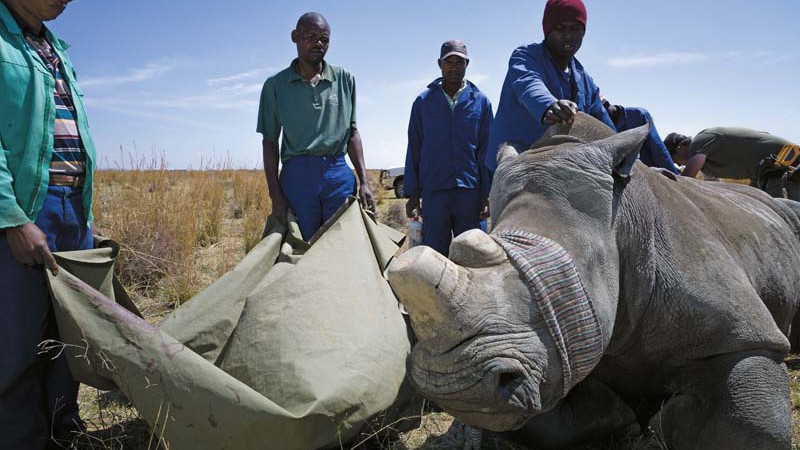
x=531, y=51
x=474, y=87
x=280, y=76
x=340, y=72
x=430, y=89
x=477, y=93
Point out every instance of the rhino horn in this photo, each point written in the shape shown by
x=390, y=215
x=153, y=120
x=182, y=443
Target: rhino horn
x=475, y=249
x=506, y=153
x=623, y=148
x=425, y=282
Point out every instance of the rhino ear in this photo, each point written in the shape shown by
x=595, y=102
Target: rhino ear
x=623, y=149
x=506, y=153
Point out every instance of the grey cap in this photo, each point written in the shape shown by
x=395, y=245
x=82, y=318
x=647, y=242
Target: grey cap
x=454, y=47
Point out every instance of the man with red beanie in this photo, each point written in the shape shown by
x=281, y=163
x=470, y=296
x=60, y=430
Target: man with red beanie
x=545, y=84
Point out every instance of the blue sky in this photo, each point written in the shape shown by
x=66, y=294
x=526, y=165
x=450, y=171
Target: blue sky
x=182, y=77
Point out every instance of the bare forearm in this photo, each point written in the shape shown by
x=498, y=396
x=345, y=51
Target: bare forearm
x=271, y=158
x=355, y=150
x=694, y=165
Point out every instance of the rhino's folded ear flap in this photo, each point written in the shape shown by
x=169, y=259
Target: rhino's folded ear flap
x=624, y=149
x=506, y=153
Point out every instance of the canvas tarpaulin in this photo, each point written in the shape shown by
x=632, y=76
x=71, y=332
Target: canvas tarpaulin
x=295, y=348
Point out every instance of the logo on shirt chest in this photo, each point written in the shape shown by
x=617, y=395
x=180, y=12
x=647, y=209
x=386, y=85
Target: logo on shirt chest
x=332, y=100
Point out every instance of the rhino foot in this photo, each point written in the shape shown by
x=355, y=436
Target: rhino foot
x=738, y=401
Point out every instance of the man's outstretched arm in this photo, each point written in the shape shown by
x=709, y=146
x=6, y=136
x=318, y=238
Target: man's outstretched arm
x=280, y=206
x=355, y=150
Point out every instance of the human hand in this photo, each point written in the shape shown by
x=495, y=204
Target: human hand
x=560, y=111
x=365, y=197
x=412, y=208
x=667, y=173
x=29, y=246
x=280, y=207
x=484, y=214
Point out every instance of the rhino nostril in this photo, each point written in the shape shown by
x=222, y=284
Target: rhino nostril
x=507, y=383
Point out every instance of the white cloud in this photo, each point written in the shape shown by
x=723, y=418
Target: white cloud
x=762, y=57
x=238, y=77
x=161, y=117
x=223, y=99
x=657, y=59
x=148, y=72
x=770, y=58
x=237, y=96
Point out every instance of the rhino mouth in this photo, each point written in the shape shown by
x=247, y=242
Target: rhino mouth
x=498, y=394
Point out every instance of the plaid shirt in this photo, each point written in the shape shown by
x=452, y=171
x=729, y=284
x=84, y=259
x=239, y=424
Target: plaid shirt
x=69, y=155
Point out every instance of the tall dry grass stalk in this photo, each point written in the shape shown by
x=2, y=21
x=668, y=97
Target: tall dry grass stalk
x=250, y=203
x=170, y=224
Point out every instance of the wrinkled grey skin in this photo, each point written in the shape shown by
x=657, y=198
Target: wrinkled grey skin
x=695, y=285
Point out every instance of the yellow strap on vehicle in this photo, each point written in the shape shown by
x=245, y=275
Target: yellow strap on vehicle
x=787, y=156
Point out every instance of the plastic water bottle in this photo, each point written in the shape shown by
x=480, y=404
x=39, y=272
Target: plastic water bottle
x=414, y=233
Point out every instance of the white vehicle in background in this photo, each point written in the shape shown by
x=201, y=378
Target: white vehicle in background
x=393, y=179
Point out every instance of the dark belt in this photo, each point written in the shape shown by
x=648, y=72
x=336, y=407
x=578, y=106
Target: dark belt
x=57, y=179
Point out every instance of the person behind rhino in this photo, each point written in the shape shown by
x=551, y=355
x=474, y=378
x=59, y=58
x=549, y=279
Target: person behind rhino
x=447, y=137
x=545, y=83
x=653, y=153
x=725, y=152
x=313, y=104
x=46, y=176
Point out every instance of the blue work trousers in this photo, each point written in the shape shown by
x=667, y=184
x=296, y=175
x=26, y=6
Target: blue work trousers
x=38, y=396
x=653, y=153
x=447, y=213
x=316, y=186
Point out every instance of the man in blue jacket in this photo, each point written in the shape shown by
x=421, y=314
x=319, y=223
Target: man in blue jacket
x=448, y=135
x=653, y=153
x=545, y=84
x=46, y=176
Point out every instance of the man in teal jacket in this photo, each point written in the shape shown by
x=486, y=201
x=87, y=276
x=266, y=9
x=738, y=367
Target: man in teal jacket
x=46, y=167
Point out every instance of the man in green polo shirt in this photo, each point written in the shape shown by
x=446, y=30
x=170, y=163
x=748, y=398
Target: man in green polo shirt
x=313, y=104
x=724, y=152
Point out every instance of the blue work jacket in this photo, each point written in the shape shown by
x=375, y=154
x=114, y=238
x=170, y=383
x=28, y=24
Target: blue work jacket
x=654, y=153
x=447, y=148
x=532, y=84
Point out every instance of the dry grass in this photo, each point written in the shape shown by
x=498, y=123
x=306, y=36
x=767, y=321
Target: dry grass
x=170, y=222
x=179, y=231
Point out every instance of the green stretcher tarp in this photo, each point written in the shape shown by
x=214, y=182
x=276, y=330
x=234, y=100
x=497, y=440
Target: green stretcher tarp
x=296, y=348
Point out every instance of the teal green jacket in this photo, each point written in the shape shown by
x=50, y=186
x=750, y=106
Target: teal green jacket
x=27, y=115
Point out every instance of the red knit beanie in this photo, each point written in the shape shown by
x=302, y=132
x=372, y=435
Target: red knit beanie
x=557, y=10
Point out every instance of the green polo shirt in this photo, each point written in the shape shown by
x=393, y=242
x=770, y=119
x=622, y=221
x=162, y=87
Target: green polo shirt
x=315, y=118
x=734, y=152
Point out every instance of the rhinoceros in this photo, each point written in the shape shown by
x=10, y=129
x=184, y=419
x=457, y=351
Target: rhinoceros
x=609, y=297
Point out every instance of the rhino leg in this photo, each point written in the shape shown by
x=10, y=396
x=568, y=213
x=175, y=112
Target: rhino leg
x=731, y=402
x=590, y=411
